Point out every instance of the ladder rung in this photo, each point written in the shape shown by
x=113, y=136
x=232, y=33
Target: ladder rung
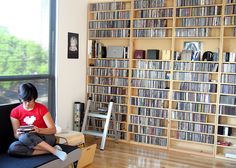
x=95, y=133
x=102, y=109
x=97, y=115
x=99, y=112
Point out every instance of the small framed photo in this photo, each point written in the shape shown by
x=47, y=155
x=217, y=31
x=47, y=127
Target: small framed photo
x=73, y=46
x=195, y=48
x=192, y=45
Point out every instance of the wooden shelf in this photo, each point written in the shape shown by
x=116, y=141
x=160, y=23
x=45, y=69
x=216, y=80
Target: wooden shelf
x=183, y=89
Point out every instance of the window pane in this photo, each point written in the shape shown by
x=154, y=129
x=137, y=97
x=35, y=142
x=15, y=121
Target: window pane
x=9, y=91
x=24, y=37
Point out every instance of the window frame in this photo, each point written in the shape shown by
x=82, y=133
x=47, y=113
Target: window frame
x=51, y=65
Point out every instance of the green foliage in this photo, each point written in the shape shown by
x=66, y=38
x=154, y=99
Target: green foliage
x=21, y=57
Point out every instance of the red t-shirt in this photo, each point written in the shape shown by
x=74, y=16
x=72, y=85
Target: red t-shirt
x=30, y=117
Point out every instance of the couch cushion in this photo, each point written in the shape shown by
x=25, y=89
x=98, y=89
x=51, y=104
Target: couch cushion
x=6, y=131
x=43, y=161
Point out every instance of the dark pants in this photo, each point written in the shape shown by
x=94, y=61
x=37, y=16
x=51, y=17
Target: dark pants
x=24, y=146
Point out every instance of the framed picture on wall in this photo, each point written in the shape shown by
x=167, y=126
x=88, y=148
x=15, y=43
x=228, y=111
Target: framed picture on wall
x=195, y=48
x=192, y=45
x=73, y=46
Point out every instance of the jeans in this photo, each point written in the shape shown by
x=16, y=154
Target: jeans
x=27, y=141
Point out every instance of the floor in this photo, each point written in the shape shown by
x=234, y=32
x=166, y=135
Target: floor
x=124, y=155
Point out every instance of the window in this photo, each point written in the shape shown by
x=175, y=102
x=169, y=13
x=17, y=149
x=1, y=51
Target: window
x=27, y=49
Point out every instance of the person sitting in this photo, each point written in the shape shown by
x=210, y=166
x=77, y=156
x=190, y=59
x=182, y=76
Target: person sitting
x=41, y=139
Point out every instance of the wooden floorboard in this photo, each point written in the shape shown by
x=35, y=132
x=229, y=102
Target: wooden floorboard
x=124, y=155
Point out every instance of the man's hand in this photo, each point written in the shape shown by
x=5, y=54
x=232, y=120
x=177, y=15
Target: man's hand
x=35, y=130
x=19, y=132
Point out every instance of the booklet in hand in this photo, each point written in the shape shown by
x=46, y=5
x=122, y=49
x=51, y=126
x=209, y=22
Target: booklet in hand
x=26, y=128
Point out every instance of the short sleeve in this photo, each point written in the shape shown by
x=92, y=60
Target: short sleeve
x=15, y=113
x=42, y=109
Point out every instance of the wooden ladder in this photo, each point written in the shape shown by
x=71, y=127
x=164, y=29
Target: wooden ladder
x=100, y=114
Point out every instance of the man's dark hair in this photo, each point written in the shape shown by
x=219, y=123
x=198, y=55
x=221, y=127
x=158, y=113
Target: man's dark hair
x=27, y=92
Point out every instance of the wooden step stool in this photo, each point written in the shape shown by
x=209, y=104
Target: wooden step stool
x=75, y=138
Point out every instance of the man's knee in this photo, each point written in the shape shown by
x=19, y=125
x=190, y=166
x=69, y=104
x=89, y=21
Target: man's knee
x=50, y=139
x=17, y=148
x=30, y=140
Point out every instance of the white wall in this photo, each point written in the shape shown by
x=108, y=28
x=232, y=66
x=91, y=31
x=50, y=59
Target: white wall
x=70, y=73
